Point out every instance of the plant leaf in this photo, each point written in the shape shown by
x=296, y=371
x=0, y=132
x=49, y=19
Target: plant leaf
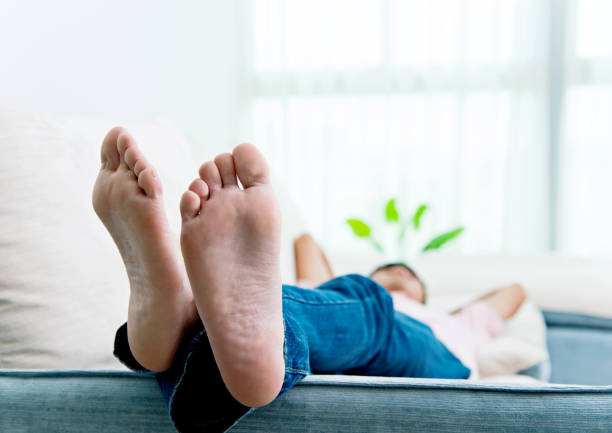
x=360, y=229
x=438, y=241
x=391, y=211
x=416, y=219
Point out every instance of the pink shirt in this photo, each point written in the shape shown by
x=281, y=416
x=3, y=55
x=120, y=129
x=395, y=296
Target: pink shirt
x=461, y=333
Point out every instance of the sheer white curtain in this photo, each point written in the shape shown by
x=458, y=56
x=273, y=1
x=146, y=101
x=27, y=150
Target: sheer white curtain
x=585, y=207
x=440, y=102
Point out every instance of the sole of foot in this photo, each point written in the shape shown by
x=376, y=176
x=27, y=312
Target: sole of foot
x=127, y=197
x=230, y=240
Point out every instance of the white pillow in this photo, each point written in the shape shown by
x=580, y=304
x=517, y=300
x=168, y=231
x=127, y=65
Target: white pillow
x=63, y=288
x=513, y=379
x=293, y=226
x=508, y=355
x=521, y=345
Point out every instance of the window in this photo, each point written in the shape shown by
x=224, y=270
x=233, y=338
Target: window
x=450, y=103
x=585, y=210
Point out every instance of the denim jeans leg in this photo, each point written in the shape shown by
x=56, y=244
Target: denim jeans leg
x=348, y=325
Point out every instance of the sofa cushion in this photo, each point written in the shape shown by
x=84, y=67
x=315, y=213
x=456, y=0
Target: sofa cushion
x=63, y=288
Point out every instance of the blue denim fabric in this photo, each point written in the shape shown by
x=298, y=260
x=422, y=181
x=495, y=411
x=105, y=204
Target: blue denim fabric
x=347, y=325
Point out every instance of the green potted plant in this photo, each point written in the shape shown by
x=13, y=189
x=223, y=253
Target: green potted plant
x=402, y=226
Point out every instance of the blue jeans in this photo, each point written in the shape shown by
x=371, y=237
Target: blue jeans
x=347, y=325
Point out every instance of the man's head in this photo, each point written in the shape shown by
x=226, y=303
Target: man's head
x=400, y=277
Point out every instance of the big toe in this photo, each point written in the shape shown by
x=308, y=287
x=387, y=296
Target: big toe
x=251, y=166
x=109, y=153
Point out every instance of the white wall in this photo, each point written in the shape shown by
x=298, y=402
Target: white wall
x=126, y=61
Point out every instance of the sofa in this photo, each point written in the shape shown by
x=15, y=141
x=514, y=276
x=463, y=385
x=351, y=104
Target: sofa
x=116, y=401
x=63, y=293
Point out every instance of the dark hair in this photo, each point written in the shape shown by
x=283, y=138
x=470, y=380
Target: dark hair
x=408, y=268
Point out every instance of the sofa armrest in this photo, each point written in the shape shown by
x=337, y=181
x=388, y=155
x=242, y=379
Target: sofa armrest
x=81, y=401
x=580, y=348
x=94, y=401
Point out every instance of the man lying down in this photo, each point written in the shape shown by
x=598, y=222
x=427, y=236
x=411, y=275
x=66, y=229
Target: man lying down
x=462, y=331
x=214, y=320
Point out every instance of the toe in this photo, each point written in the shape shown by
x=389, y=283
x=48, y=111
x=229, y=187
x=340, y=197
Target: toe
x=200, y=188
x=109, y=154
x=149, y=182
x=225, y=164
x=124, y=143
x=190, y=205
x=132, y=156
x=210, y=174
x=140, y=166
x=251, y=166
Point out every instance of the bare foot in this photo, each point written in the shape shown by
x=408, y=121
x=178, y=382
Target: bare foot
x=127, y=197
x=231, y=246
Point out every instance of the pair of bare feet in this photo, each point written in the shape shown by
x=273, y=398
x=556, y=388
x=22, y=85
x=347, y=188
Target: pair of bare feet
x=228, y=275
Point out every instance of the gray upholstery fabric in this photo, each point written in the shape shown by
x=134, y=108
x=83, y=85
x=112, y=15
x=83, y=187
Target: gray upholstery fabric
x=580, y=348
x=352, y=404
x=98, y=401
x=590, y=368
x=81, y=401
x=64, y=401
